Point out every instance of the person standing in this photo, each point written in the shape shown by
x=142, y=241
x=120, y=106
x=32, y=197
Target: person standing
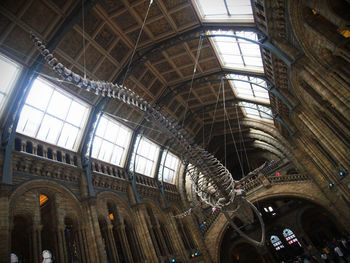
x=340, y=253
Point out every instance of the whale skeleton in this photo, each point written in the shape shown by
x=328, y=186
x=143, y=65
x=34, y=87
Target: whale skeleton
x=213, y=183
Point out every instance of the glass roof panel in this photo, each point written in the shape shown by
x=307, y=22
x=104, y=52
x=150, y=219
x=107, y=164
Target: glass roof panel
x=246, y=87
x=217, y=11
x=255, y=111
x=238, y=53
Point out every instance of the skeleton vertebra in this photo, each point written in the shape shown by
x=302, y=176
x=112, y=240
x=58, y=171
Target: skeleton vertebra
x=213, y=182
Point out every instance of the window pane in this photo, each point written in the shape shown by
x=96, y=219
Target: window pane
x=29, y=121
x=39, y=94
x=59, y=105
x=50, y=129
x=215, y=10
x=68, y=136
x=45, y=112
x=8, y=74
x=116, y=136
x=106, y=151
x=77, y=113
x=147, y=154
x=96, y=147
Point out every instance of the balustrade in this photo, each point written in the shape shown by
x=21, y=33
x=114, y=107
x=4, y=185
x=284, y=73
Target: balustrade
x=41, y=149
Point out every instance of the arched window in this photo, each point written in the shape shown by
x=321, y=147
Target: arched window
x=276, y=242
x=290, y=237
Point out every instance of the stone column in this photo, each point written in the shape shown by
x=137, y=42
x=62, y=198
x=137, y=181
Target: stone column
x=92, y=232
x=5, y=244
x=36, y=242
x=161, y=238
x=144, y=234
x=176, y=236
x=82, y=246
x=61, y=244
x=111, y=244
x=124, y=242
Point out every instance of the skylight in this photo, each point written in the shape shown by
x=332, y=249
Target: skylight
x=225, y=10
x=111, y=141
x=52, y=115
x=236, y=53
x=247, y=87
x=256, y=111
x=146, y=156
x=170, y=169
x=9, y=72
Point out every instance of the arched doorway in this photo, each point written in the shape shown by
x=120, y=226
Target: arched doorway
x=20, y=238
x=245, y=253
x=321, y=231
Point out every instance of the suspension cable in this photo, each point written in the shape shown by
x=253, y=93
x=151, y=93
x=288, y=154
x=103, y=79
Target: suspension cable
x=193, y=74
x=137, y=42
x=233, y=138
x=241, y=135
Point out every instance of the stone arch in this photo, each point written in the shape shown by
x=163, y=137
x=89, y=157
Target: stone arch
x=50, y=188
x=155, y=207
x=122, y=208
x=221, y=223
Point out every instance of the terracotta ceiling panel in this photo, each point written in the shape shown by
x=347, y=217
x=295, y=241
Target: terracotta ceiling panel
x=18, y=40
x=105, y=37
x=92, y=56
x=125, y=21
x=60, y=3
x=4, y=23
x=182, y=60
x=163, y=67
x=173, y=3
x=156, y=58
x=176, y=50
x=147, y=79
x=111, y=6
x=156, y=87
x=134, y=35
x=179, y=111
x=171, y=76
x=91, y=23
x=210, y=65
x=173, y=105
x=39, y=16
x=184, y=17
x=13, y=6
x=120, y=51
x=141, y=10
x=105, y=70
x=160, y=27
x=72, y=44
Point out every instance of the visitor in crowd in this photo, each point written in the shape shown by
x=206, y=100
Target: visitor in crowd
x=339, y=252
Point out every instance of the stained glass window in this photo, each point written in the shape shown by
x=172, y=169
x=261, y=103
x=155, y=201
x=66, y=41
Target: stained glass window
x=276, y=242
x=290, y=237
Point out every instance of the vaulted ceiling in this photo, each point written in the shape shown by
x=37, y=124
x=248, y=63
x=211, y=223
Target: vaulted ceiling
x=161, y=70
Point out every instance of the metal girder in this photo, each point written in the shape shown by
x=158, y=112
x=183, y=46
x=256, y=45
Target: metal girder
x=178, y=88
x=153, y=50
x=28, y=77
x=86, y=151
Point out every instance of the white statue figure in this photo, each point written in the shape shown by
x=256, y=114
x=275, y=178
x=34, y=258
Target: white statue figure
x=14, y=258
x=47, y=256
